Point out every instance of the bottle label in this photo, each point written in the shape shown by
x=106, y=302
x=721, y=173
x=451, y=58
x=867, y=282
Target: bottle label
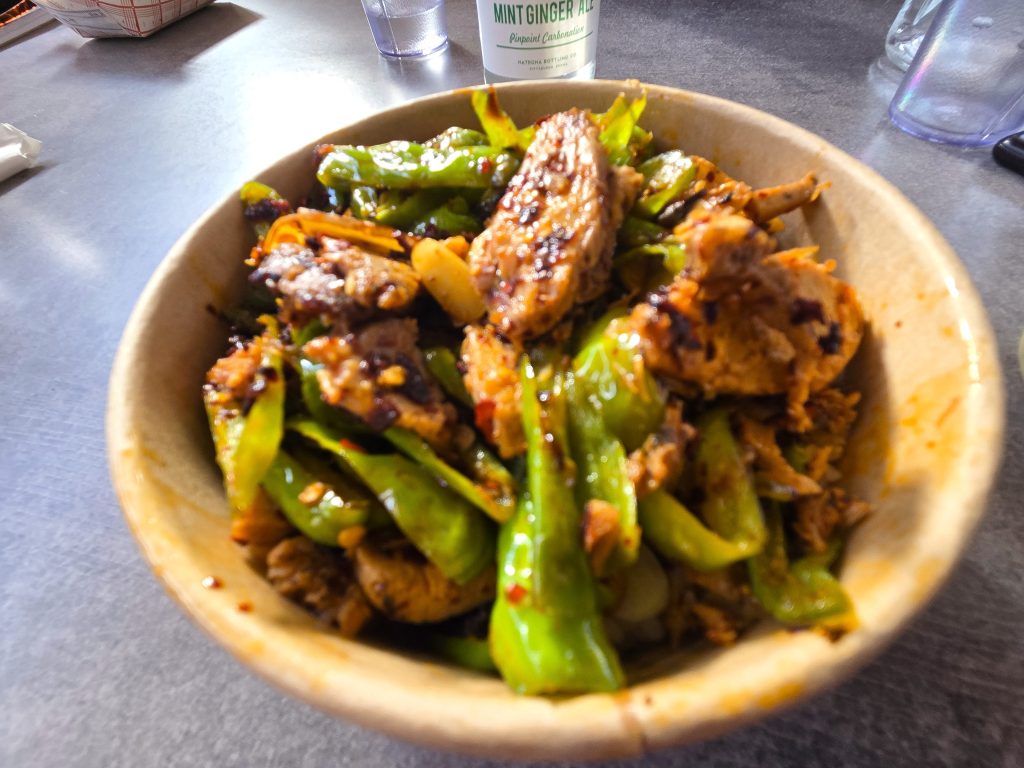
x=538, y=39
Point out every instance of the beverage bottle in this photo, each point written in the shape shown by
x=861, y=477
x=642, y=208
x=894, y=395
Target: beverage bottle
x=542, y=39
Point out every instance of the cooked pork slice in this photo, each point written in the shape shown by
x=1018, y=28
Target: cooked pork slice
x=405, y=586
x=740, y=321
x=658, y=462
x=260, y=524
x=775, y=476
x=230, y=381
x=714, y=192
x=624, y=185
x=601, y=532
x=770, y=202
x=378, y=374
x=492, y=378
x=546, y=245
x=832, y=413
x=372, y=280
x=818, y=518
x=321, y=579
x=337, y=282
x=716, y=604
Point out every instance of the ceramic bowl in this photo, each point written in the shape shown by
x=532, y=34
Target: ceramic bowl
x=924, y=451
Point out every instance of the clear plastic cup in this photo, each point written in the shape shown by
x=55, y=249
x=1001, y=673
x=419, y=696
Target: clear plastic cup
x=908, y=30
x=966, y=83
x=407, y=28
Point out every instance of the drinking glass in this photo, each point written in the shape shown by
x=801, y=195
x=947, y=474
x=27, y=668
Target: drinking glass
x=966, y=83
x=407, y=28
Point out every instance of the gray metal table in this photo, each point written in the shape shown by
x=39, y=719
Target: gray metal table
x=99, y=668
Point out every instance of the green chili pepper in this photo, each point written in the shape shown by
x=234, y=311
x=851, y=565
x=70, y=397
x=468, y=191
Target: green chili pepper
x=450, y=218
x=495, y=496
x=666, y=177
x=678, y=534
x=363, y=202
x=648, y=267
x=404, y=165
x=619, y=133
x=308, y=332
x=253, y=192
x=546, y=633
x=498, y=507
x=469, y=652
x=636, y=232
x=602, y=471
x=799, y=594
x=500, y=128
x=730, y=503
x=641, y=144
x=444, y=527
x=670, y=253
x=827, y=558
x=403, y=210
x=246, y=441
x=441, y=362
x=455, y=137
x=341, y=505
x=262, y=204
x=488, y=472
x=609, y=367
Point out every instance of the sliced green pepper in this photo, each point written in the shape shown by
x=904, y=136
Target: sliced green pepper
x=602, y=471
x=487, y=471
x=363, y=202
x=730, y=506
x=449, y=218
x=454, y=137
x=635, y=232
x=799, y=594
x=500, y=128
x=620, y=134
x=678, y=534
x=497, y=500
x=441, y=362
x=308, y=332
x=648, y=267
x=469, y=652
x=444, y=527
x=498, y=507
x=546, y=633
x=254, y=192
x=609, y=367
x=666, y=177
x=402, y=210
x=341, y=505
x=404, y=165
x=246, y=441
x=262, y=204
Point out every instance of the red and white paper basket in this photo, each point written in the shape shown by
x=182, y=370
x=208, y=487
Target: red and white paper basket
x=119, y=18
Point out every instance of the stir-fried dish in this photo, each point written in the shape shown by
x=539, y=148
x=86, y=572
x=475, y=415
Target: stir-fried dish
x=539, y=399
